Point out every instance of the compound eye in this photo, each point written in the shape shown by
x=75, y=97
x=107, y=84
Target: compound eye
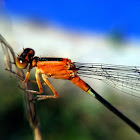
x=21, y=63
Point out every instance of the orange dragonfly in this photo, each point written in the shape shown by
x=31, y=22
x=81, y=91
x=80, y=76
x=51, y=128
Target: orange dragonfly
x=59, y=68
x=64, y=68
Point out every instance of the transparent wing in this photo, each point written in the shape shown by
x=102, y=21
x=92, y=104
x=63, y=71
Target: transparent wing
x=124, y=78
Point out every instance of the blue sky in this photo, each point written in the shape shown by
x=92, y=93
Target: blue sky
x=101, y=15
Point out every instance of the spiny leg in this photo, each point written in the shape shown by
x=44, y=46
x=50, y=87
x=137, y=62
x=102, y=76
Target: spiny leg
x=27, y=76
x=46, y=81
x=43, y=97
x=22, y=79
x=38, y=83
x=27, y=80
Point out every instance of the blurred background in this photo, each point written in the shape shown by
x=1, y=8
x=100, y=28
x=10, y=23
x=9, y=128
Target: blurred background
x=84, y=31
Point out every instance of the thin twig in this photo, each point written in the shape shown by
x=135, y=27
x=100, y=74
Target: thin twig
x=10, y=58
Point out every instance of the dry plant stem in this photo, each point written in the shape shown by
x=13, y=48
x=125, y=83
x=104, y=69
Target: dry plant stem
x=6, y=56
x=9, y=56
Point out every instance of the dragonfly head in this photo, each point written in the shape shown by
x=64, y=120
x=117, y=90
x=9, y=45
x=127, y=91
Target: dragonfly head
x=25, y=58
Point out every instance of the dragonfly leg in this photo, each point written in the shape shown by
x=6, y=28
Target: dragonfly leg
x=43, y=97
x=46, y=80
x=33, y=81
x=22, y=79
x=27, y=76
x=39, y=82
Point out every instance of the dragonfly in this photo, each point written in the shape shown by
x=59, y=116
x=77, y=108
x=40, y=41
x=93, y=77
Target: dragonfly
x=124, y=78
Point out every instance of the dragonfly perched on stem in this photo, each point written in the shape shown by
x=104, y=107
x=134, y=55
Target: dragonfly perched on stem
x=125, y=78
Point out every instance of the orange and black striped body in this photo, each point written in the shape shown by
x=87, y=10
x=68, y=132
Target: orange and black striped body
x=58, y=68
